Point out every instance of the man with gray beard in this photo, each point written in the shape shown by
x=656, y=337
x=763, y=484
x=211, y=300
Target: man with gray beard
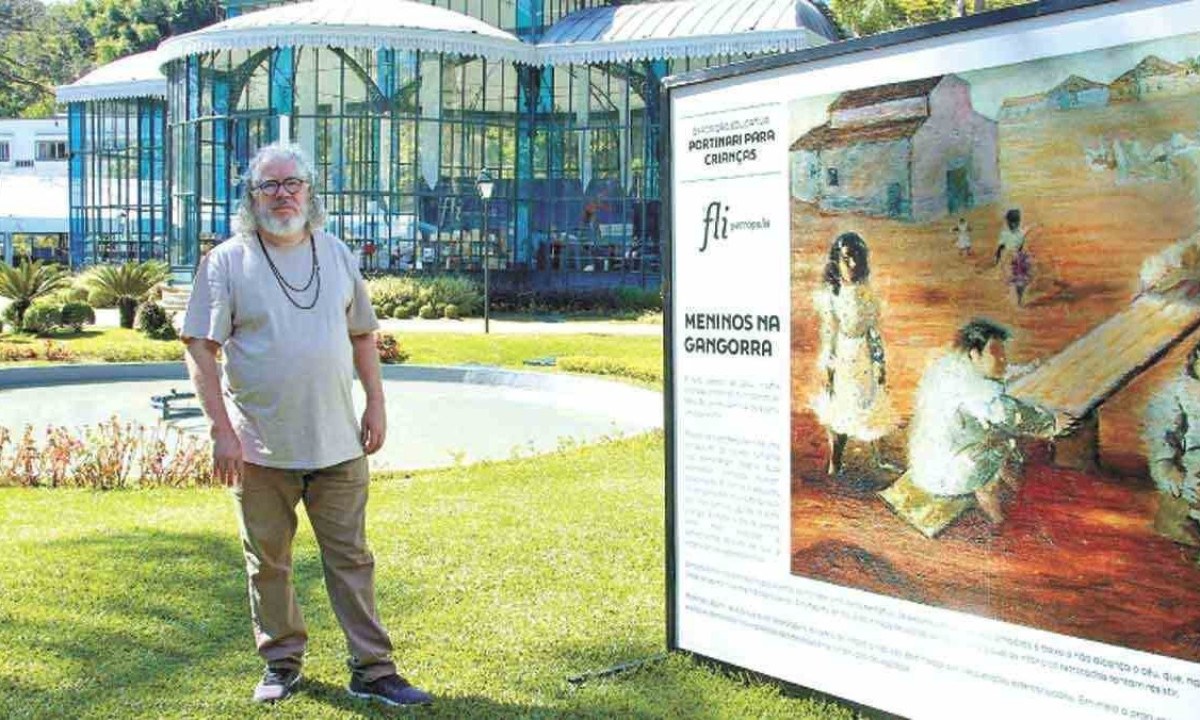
x=286, y=305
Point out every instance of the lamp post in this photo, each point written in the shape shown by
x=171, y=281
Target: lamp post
x=125, y=237
x=485, y=184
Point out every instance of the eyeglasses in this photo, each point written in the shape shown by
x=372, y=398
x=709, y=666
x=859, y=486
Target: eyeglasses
x=272, y=187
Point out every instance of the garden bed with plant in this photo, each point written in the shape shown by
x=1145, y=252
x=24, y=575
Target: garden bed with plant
x=48, y=310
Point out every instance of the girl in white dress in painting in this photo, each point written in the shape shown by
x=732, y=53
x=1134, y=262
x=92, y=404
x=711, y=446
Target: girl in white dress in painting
x=854, y=402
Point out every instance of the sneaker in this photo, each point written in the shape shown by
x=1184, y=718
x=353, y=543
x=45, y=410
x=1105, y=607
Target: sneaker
x=390, y=690
x=276, y=684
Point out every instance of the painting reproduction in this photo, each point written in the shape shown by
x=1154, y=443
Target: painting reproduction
x=995, y=347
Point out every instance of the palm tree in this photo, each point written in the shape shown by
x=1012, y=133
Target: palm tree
x=130, y=284
x=29, y=281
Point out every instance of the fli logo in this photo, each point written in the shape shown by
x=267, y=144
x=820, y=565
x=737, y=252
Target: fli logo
x=718, y=226
x=716, y=223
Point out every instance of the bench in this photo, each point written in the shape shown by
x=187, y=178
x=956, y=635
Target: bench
x=1093, y=368
x=163, y=403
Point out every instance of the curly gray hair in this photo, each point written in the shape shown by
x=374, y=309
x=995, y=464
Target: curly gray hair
x=246, y=223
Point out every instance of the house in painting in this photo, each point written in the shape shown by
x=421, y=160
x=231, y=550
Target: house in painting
x=1073, y=93
x=1153, y=76
x=1077, y=92
x=914, y=151
x=1018, y=107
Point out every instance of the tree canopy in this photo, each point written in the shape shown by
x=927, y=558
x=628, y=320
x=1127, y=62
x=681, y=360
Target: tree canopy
x=868, y=17
x=44, y=46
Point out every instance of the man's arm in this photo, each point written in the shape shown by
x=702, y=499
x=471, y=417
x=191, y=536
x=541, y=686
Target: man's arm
x=1019, y=418
x=366, y=364
x=201, y=358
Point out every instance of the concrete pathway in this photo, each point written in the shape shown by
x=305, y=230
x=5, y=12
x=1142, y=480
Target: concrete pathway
x=436, y=416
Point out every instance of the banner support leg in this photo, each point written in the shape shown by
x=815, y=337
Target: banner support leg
x=621, y=669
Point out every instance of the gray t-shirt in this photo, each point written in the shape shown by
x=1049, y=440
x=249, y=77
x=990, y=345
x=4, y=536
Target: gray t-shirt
x=288, y=372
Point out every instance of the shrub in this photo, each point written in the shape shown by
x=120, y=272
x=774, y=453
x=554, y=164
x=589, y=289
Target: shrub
x=42, y=318
x=392, y=291
x=128, y=284
x=390, y=294
x=649, y=372
x=58, y=352
x=101, y=298
x=77, y=314
x=17, y=353
x=451, y=312
x=403, y=312
x=71, y=293
x=10, y=318
x=52, y=351
x=389, y=349
x=443, y=290
x=147, y=352
x=28, y=282
x=619, y=300
x=638, y=299
x=108, y=456
x=154, y=322
x=427, y=312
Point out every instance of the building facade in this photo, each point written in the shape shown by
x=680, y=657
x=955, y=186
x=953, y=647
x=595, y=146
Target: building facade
x=402, y=105
x=33, y=189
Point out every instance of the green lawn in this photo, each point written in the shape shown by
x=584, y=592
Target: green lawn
x=498, y=581
x=639, y=357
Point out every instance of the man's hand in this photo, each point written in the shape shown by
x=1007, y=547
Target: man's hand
x=374, y=427
x=374, y=419
x=1064, y=423
x=227, y=458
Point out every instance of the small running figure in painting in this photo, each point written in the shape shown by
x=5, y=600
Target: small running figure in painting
x=1013, y=239
x=962, y=237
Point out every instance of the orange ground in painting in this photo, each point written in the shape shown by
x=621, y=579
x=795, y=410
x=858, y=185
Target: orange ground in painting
x=1077, y=554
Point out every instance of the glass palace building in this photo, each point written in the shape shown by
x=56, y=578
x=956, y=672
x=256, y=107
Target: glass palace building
x=401, y=105
x=116, y=150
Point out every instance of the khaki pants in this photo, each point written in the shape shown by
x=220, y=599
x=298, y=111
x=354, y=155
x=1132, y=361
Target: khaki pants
x=335, y=499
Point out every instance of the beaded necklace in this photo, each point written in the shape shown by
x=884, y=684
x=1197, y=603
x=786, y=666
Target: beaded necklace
x=287, y=287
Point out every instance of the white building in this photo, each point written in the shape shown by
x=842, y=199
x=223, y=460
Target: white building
x=34, y=186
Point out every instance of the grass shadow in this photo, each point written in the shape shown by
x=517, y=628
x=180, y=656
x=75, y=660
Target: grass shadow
x=172, y=610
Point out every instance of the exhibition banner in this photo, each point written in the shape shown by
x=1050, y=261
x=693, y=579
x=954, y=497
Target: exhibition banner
x=933, y=389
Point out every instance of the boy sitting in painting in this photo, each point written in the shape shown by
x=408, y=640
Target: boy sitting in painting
x=965, y=426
